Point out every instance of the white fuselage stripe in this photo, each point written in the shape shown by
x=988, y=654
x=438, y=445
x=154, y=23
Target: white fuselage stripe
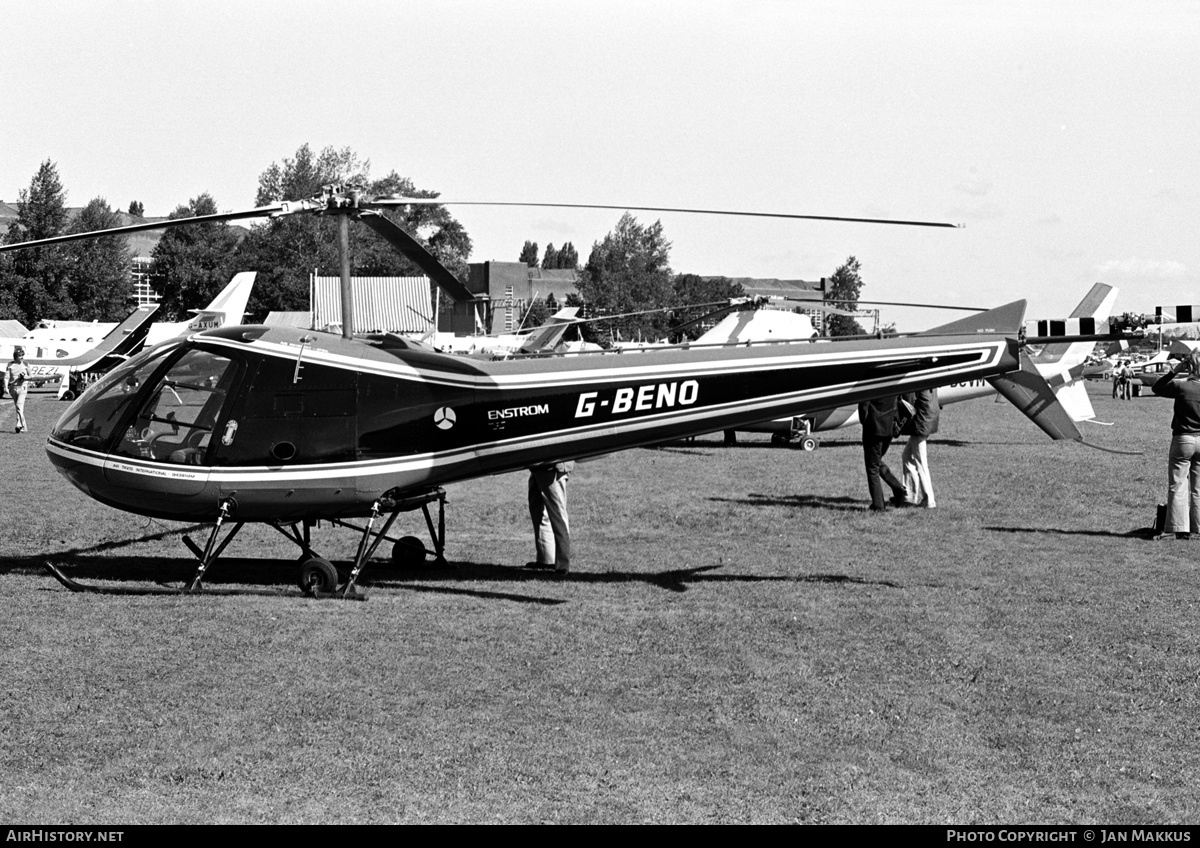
x=989, y=354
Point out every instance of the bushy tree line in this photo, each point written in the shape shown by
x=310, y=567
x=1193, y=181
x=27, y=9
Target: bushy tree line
x=629, y=283
x=82, y=280
x=627, y=276
x=627, y=288
x=90, y=279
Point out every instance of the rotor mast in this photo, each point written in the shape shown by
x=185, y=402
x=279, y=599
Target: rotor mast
x=347, y=291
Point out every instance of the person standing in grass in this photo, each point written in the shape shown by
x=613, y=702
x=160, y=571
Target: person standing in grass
x=1183, y=492
x=16, y=377
x=922, y=425
x=878, y=419
x=548, y=510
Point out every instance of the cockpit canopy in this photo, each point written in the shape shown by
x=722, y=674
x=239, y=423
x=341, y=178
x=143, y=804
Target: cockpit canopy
x=191, y=403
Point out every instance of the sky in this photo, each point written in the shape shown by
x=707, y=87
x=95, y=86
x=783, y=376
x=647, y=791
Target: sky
x=1063, y=135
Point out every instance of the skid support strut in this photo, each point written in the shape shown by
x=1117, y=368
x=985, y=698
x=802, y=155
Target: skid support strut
x=300, y=535
x=211, y=550
x=367, y=544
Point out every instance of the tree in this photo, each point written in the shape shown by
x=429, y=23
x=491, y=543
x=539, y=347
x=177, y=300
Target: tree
x=35, y=280
x=696, y=295
x=842, y=292
x=568, y=257
x=286, y=250
x=529, y=254
x=136, y=209
x=565, y=257
x=99, y=283
x=536, y=314
x=628, y=271
x=192, y=264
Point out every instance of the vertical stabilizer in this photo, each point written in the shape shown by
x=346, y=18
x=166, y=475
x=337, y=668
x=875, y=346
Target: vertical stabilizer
x=1098, y=304
x=229, y=306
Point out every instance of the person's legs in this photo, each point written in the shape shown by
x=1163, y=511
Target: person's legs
x=923, y=483
x=19, y=403
x=1179, y=468
x=543, y=534
x=872, y=459
x=555, y=496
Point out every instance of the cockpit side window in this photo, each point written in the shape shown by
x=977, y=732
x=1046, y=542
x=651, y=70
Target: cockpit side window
x=176, y=422
x=92, y=420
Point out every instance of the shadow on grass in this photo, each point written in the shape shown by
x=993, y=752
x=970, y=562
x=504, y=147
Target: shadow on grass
x=35, y=562
x=840, y=504
x=1145, y=533
x=280, y=575
x=674, y=580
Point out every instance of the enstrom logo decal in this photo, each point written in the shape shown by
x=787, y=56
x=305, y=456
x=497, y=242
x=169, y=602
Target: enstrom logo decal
x=444, y=418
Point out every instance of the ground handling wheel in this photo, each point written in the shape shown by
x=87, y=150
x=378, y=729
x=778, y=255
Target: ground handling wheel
x=318, y=576
x=408, y=552
x=808, y=443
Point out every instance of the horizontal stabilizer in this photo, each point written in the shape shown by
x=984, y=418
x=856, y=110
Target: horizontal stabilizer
x=1003, y=320
x=1075, y=400
x=1029, y=392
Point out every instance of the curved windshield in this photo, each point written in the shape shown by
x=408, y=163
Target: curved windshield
x=176, y=420
x=92, y=420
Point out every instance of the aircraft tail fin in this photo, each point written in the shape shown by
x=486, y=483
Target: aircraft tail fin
x=1029, y=392
x=123, y=341
x=1008, y=319
x=550, y=333
x=228, y=307
x=1098, y=303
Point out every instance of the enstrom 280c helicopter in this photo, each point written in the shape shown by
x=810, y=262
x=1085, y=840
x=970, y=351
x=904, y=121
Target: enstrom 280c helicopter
x=288, y=427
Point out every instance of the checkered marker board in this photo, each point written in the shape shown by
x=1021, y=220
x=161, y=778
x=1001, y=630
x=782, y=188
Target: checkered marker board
x=1177, y=314
x=1073, y=327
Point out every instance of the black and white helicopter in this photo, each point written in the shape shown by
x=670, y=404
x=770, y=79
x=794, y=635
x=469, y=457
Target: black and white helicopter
x=289, y=427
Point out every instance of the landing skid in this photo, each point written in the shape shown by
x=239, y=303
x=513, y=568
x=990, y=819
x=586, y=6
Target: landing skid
x=319, y=578
x=91, y=589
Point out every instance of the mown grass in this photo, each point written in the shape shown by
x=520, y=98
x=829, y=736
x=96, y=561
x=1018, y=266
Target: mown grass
x=741, y=641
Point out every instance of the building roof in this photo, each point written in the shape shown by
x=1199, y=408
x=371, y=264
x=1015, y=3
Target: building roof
x=299, y=320
x=381, y=304
x=770, y=287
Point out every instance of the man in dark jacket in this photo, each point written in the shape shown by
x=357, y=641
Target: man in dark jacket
x=878, y=417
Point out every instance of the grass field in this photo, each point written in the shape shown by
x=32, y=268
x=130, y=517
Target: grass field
x=741, y=641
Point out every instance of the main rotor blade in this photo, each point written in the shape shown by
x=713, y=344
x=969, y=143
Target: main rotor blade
x=386, y=202
x=261, y=212
x=417, y=253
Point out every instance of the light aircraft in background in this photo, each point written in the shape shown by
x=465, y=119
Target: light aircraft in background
x=1060, y=365
x=548, y=337
x=289, y=427
x=1148, y=372
x=40, y=375
x=228, y=307
x=124, y=340
x=76, y=337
